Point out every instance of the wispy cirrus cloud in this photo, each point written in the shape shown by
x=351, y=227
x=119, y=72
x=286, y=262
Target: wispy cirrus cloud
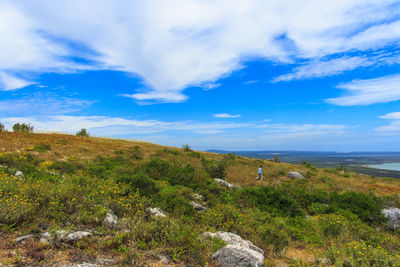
x=10, y=82
x=393, y=128
x=42, y=104
x=370, y=91
x=175, y=44
x=122, y=127
x=226, y=116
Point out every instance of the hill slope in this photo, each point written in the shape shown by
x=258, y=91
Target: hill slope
x=71, y=183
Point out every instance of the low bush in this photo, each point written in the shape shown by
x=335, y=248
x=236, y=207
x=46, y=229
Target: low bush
x=82, y=133
x=273, y=200
x=42, y=147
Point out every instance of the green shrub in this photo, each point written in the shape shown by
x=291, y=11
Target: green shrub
x=139, y=181
x=42, y=147
x=136, y=153
x=175, y=200
x=22, y=127
x=2, y=128
x=277, y=239
x=366, y=206
x=186, y=148
x=82, y=133
x=269, y=199
x=359, y=253
x=215, y=168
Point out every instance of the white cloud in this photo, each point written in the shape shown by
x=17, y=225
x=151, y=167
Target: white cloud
x=42, y=104
x=333, y=66
x=226, y=116
x=180, y=43
x=9, y=82
x=391, y=116
x=121, y=127
x=370, y=91
x=394, y=127
x=320, y=68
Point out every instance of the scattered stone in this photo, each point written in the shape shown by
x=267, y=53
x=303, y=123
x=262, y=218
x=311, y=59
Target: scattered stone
x=198, y=197
x=324, y=261
x=156, y=212
x=45, y=238
x=393, y=216
x=295, y=175
x=23, y=239
x=19, y=174
x=238, y=252
x=111, y=220
x=74, y=236
x=197, y=206
x=225, y=184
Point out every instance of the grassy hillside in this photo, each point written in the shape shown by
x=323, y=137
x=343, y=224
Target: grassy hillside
x=72, y=182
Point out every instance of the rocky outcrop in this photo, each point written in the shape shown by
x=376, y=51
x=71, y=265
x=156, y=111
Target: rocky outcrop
x=225, y=184
x=155, y=212
x=237, y=252
x=198, y=206
x=295, y=175
x=111, y=220
x=393, y=216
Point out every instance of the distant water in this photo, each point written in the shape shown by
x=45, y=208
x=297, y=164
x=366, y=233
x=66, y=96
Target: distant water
x=387, y=166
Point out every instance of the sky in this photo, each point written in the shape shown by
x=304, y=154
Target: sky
x=213, y=74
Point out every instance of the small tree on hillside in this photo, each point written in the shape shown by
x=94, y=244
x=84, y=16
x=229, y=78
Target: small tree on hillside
x=23, y=128
x=187, y=148
x=2, y=128
x=82, y=133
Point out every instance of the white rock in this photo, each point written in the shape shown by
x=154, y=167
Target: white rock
x=393, y=216
x=225, y=183
x=295, y=175
x=111, y=220
x=197, y=206
x=45, y=238
x=238, y=252
x=19, y=173
x=23, y=239
x=74, y=236
x=234, y=255
x=198, y=197
x=156, y=212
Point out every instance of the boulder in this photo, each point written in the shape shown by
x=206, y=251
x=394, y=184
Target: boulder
x=19, y=174
x=111, y=220
x=393, y=216
x=23, y=239
x=197, y=206
x=295, y=175
x=234, y=255
x=225, y=184
x=198, y=197
x=75, y=236
x=45, y=238
x=156, y=212
x=237, y=252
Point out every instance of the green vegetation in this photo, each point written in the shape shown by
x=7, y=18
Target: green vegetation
x=82, y=133
x=22, y=127
x=345, y=227
x=2, y=128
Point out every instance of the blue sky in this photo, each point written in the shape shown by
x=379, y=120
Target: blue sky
x=245, y=75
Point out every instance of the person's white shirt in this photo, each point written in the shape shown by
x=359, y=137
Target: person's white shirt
x=260, y=170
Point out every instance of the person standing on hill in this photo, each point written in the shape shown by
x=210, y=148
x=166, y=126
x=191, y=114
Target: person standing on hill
x=260, y=173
